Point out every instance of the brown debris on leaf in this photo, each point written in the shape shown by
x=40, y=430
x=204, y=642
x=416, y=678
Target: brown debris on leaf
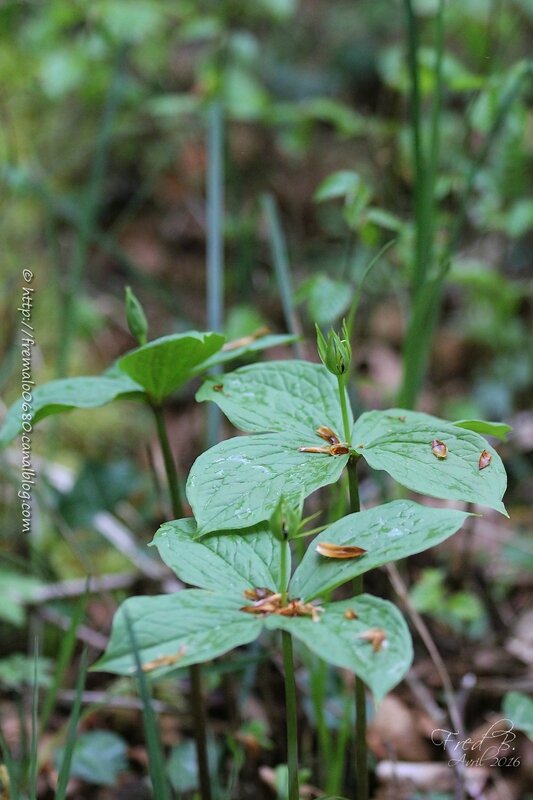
x=376, y=636
x=271, y=604
x=258, y=593
x=350, y=613
x=439, y=449
x=335, y=448
x=326, y=433
x=484, y=459
x=295, y=608
x=165, y=661
x=339, y=551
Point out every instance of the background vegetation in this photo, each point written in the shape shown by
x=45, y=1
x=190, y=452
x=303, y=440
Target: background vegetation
x=356, y=133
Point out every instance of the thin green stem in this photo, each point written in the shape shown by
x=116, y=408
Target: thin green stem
x=280, y=258
x=361, y=755
x=195, y=675
x=292, y=716
x=290, y=682
x=341, y=381
x=170, y=464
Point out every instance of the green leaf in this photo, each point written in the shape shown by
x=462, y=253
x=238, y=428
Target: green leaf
x=328, y=300
x=98, y=757
x=232, y=563
x=163, y=365
x=239, y=482
x=65, y=394
x=399, y=442
x=338, y=640
x=17, y=670
x=388, y=532
x=518, y=707
x=230, y=352
x=344, y=183
x=286, y=396
x=497, y=429
x=191, y=626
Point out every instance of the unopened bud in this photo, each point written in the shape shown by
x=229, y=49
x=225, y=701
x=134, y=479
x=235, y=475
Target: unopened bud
x=335, y=352
x=286, y=519
x=135, y=317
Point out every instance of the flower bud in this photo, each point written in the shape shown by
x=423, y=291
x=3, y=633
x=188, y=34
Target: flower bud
x=136, y=317
x=286, y=519
x=335, y=352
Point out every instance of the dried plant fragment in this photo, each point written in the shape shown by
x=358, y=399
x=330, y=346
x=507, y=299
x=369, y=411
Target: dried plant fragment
x=165, y=661
x=350, y=613
x=325, y=450
x=439, y=449
x=295, y=608
x=246, y=340
x=339, y=551
x=484, y=459
x=376, y=636
x=326, y=433
x=339, y=449
x=218, y=387
x=267, y=605
x=259, y=593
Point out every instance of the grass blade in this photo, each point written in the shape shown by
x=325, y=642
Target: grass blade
x=66, y=762
x=280, y=258
x=156, y=763
x=66, y=650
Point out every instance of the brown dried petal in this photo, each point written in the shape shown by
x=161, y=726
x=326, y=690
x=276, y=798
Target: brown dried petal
x=326, y=433
x=259, y=593
x=484, y=459
x=325, y=450
x=339, y=449
x=350, y=613
x=376, y=636
x=439, y=449
x=339, y=551
x=165, y=661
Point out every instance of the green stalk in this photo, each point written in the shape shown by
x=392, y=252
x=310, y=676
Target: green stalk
x=34, y=722
x=280, y=258
x=170, y=464
x=361, y=755
x=341, y=381
x=197, y=701
x=88, y=219
x=292, y=716
x=66, y=762
x=290, y=682
x=215, y=242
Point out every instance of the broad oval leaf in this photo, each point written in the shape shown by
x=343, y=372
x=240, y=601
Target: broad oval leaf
x=66, y=394
x=163, y=365
x=339, y=638
x=175, y=631
x=399, y=443
x=230, y=563
x=387, y=533
x=239, y=482
x=518, y=707
x=291, y=396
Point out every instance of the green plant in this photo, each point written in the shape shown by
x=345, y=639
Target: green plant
x=247, y=494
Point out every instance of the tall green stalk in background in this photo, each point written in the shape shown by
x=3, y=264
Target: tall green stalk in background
x=426, y=283
x=430, y=269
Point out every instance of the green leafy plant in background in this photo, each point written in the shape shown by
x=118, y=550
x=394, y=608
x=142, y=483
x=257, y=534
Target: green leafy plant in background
x=147, y=374
x=247, y=494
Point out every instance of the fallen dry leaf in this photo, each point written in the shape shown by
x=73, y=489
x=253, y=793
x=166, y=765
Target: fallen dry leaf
x=339, y=551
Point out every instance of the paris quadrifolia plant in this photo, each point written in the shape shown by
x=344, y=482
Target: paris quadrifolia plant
x=247, y=494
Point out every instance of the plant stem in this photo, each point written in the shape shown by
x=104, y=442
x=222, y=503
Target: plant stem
x=290, y=682
x=195, y=676
x=341, y=380
x=361, y=756
x=278, y=249
x=215, y=242
x=170, y=464
x=292, y=716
